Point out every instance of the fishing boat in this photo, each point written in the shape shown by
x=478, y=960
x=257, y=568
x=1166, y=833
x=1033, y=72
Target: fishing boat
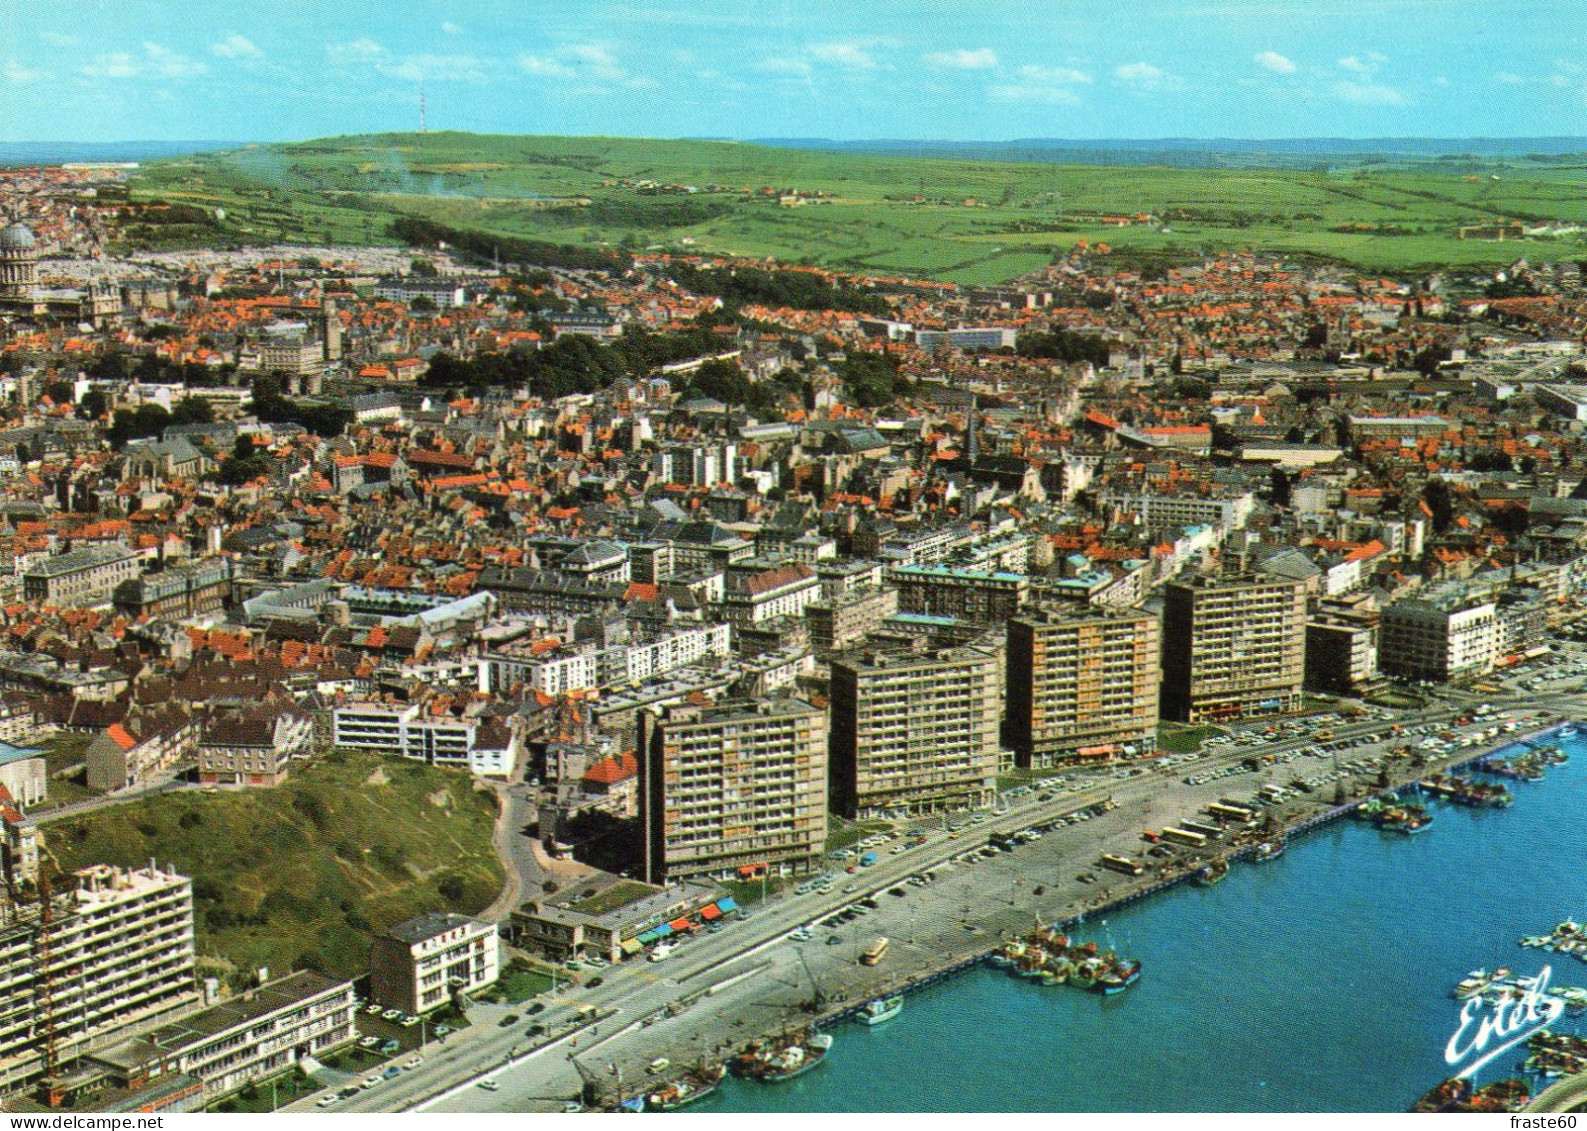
x=1124, y=974
x=882, y=1009
x=780, y=1060
x=1086, y=973
x=1058, y=973
x=1213, y=873
x=1472, y=985
x=692, y=1087
x=1459, y=1094
x=1269, y=850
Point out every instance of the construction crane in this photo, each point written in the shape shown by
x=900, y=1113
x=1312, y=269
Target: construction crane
x=818, y=998
x=46, y=996
x=590, y=1093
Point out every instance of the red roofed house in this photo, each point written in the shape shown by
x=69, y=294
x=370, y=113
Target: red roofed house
x=616, y=779
x=129, y=753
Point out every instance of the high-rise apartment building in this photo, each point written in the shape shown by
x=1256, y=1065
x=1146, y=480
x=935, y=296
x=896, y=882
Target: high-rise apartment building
x=740, y=784
x=114, y=950
x=915, y=729
x=1082, y=684
x=1232, y=647
x=1439, y=639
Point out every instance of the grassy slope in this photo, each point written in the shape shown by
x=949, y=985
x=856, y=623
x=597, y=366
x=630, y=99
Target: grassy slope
x=347, y=188
x=320, y=861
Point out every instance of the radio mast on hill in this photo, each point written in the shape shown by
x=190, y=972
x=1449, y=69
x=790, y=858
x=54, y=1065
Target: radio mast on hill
x=421, y=106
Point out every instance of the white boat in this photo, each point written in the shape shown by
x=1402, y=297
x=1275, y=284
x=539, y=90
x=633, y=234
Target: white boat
x=882, y=1009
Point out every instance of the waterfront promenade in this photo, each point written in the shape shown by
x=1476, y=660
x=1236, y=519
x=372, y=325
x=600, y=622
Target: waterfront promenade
x=720, y=990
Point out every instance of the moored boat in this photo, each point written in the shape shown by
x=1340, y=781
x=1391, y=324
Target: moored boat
x=692, y=1087
x=882, y=1009
x=783, y=1059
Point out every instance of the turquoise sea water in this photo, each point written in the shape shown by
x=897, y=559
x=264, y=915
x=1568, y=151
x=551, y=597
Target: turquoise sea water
x=1318, y=982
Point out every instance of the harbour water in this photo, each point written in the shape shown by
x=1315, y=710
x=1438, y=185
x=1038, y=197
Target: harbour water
x=1318, y=982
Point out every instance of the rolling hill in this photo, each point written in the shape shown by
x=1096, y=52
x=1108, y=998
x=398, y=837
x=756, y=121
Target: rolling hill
x=965, y=220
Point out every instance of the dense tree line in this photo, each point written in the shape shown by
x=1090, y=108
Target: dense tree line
x=642, y=212
x=1064, y=345
x=872, y=380
x=574, y=363
x=798, y=289
x=726, y=381
x=150, y=369
x=318, y=417
x=482, y=245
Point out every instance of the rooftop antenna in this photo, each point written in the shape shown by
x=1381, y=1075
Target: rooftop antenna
x=421, y=106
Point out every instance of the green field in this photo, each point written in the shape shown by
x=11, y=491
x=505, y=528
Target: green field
x=973, y=221
x=304, y=874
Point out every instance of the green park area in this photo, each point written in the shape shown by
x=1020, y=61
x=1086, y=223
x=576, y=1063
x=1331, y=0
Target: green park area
x=304, y=874
x=967, y=221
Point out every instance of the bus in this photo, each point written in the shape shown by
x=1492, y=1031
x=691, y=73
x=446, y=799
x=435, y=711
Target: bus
x=873, y=954
x=1123, y=864
x=1184, y=836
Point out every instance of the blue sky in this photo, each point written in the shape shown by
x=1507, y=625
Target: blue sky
x=88, y=70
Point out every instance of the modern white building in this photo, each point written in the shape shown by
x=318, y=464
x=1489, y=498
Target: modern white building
x=420, y=965
x=255, y=1035
x=1438, y=640
x=484, y=747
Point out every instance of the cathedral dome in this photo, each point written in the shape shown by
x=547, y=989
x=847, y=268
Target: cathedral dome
x=17, y=237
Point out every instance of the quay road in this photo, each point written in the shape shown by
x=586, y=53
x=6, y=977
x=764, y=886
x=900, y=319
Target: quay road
x=964, y=912
x=1568, y=1095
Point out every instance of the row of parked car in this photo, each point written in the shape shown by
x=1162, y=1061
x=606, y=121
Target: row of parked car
x=370, y=1081
x=397, y=1016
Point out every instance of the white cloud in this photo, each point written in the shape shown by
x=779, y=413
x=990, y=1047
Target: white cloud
x=15, y=72
x=1273, y=61
x=1032, y=73
x=1366, y=64
x=964, y=58
x=437, y=68
x=545, y=67
x=1143, y=73
x=1042, y=84
x=1369, y=94
x=170, y=64
x=112, y=65
x=56, y=39
x=1509, y=78
x=235, y=46
x=362, y=50
x=850, y=55
x=584, y=62
x=785, y=65
x=451, y=29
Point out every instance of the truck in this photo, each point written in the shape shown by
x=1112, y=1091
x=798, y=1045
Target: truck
x=867, y=860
